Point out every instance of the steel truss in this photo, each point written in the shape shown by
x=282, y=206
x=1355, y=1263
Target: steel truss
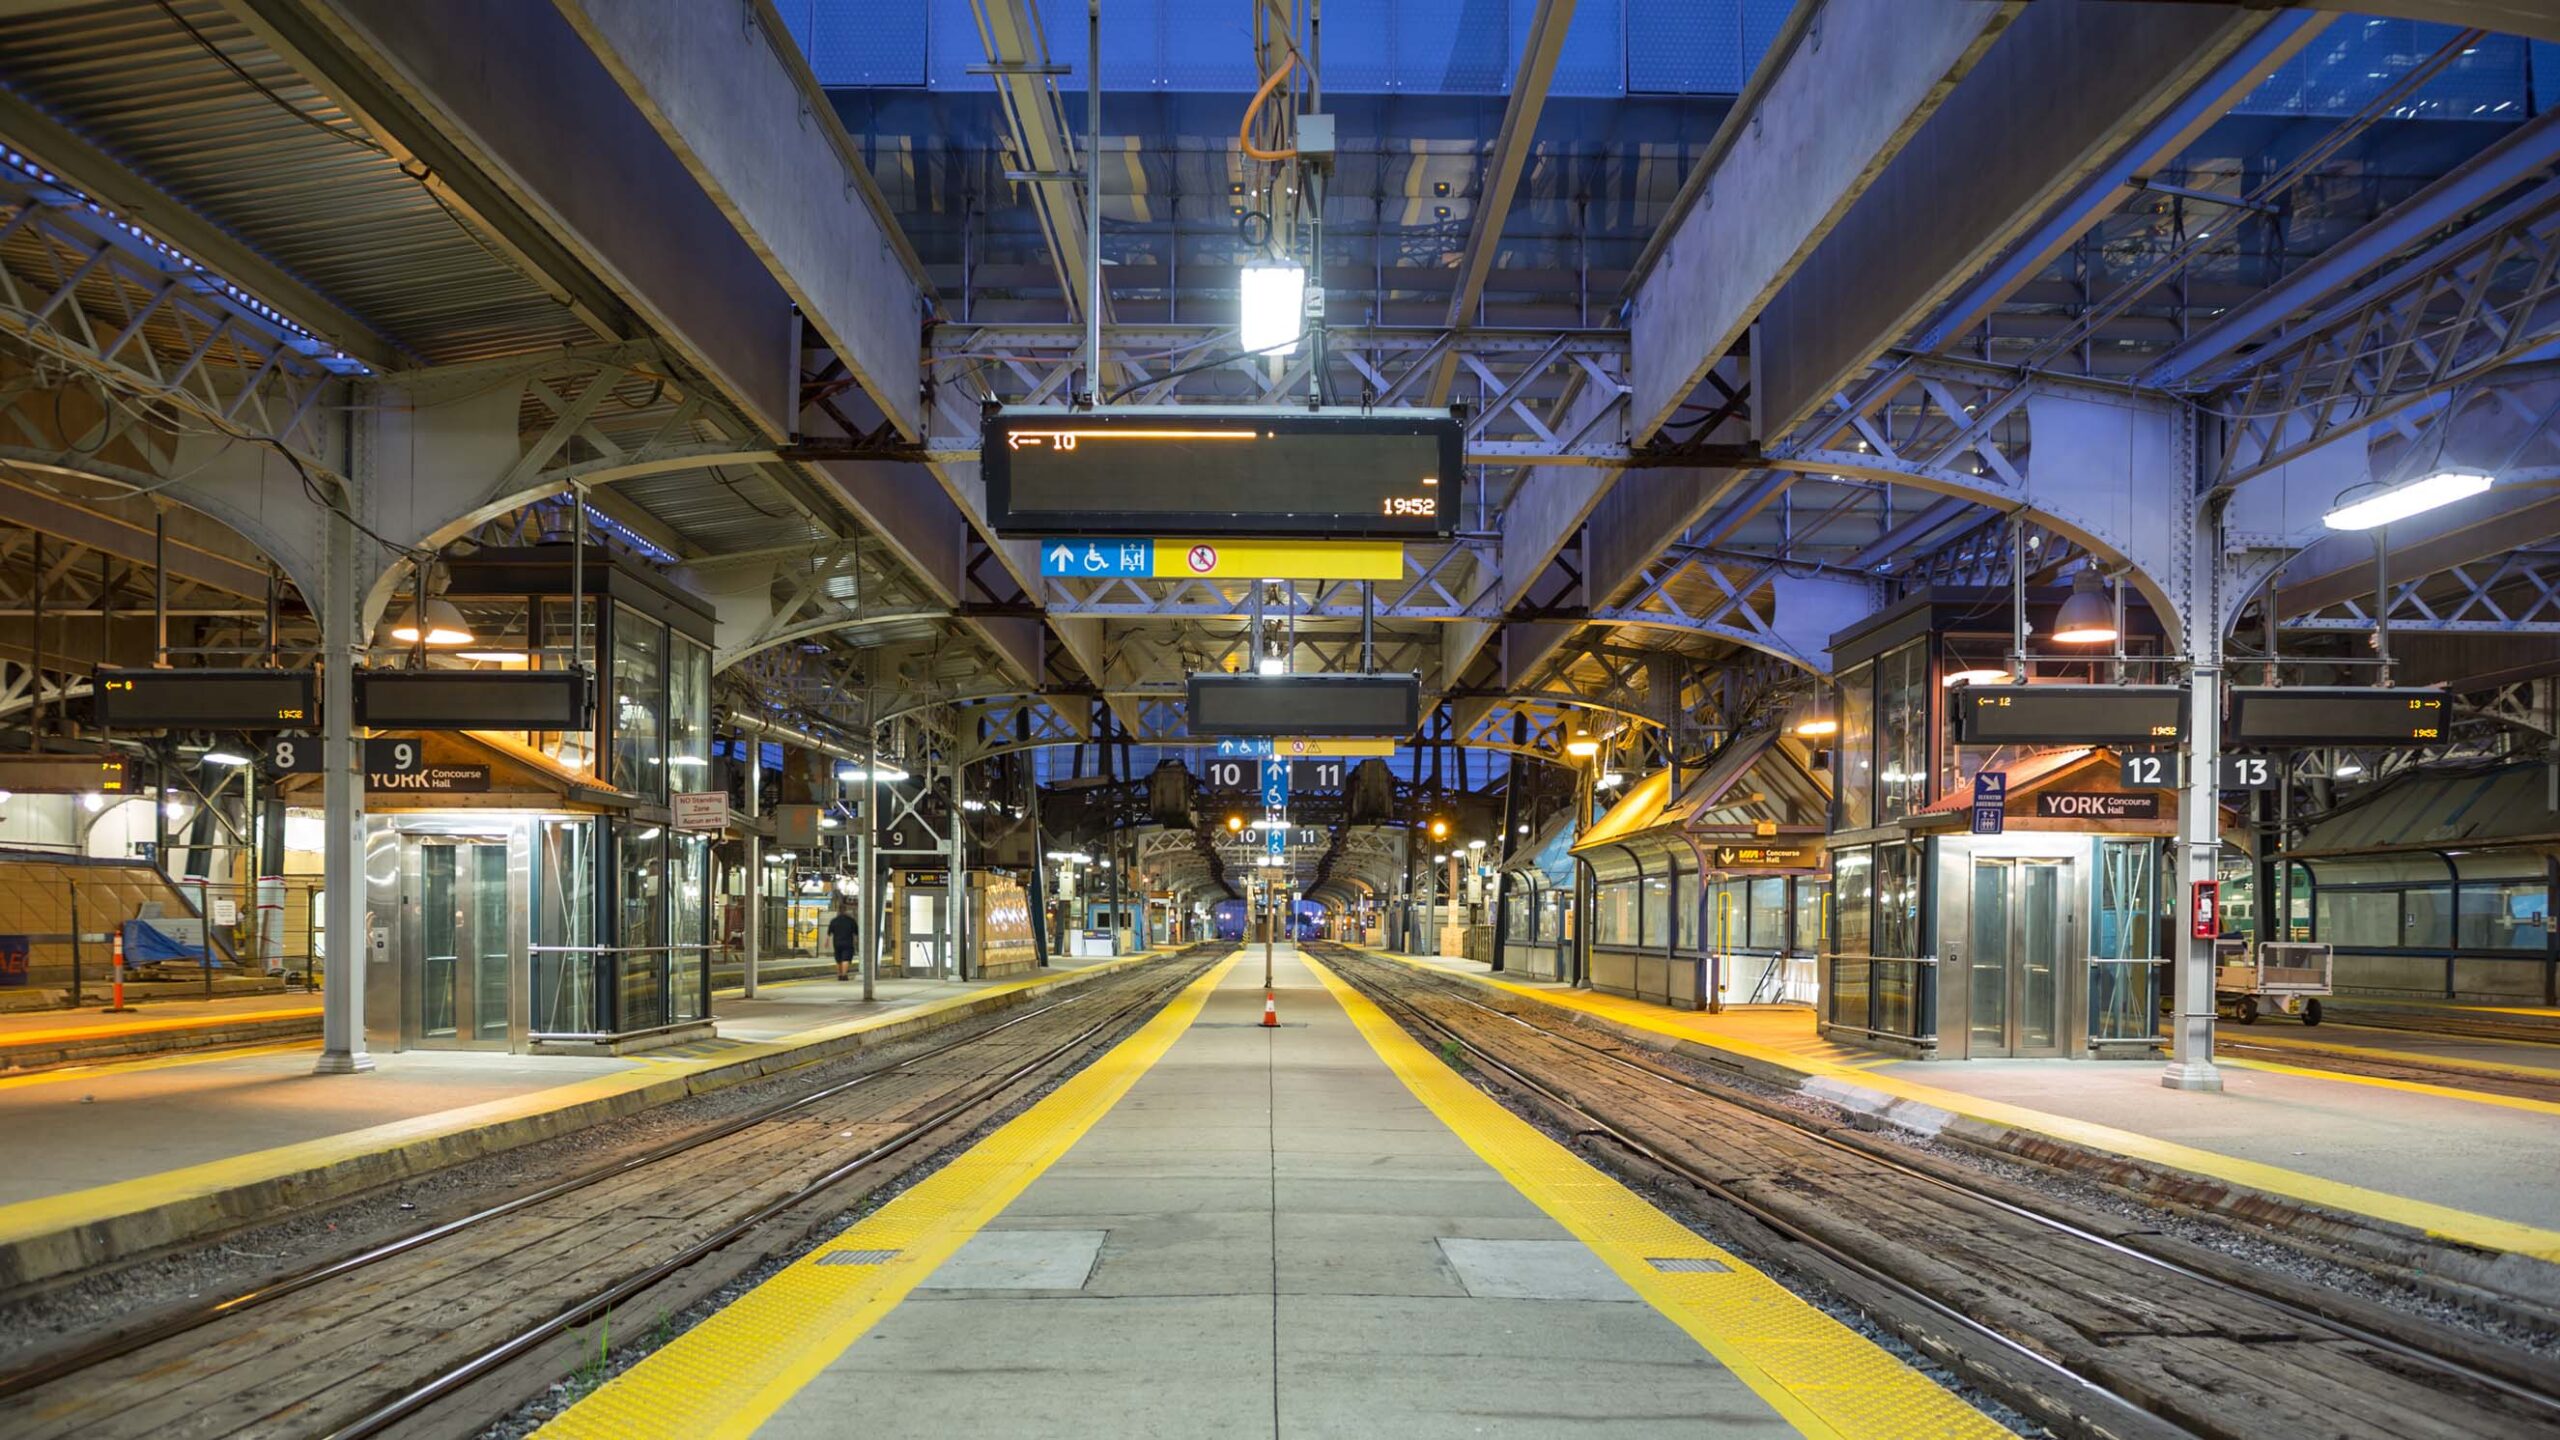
x=1528, y=381
x=2476, y=301
x=87, y=293
x=2514, y=593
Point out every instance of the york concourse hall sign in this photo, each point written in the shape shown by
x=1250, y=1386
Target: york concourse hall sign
x=433, y=780
x=2097, y=805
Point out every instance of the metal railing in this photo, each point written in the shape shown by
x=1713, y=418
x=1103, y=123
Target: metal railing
x=596, y=994
x=1883, y=997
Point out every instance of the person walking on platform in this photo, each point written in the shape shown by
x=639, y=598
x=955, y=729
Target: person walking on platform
x=846, y=932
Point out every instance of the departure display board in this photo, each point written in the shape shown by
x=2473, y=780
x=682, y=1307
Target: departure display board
x=2335, y=715
x=1220, y=472
x=472, y=699
x=204, y=699
x=1387, y=705
x=2068, y=714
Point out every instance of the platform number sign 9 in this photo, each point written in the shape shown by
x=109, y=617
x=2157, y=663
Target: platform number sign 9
x=302, y=755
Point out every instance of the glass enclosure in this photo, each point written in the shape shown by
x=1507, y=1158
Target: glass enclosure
x=638, y=704
x=2125, y=943
x=1854, y=763
x=1902, y=731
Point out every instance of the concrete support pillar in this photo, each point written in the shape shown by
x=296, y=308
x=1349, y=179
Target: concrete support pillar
x=350, y=941
x=751, y=938
x=873, y=932
x=2200, y=800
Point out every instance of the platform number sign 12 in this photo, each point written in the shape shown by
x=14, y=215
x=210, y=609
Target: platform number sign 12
x=2152, y=770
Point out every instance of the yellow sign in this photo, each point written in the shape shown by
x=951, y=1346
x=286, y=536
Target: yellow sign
x=1305, y=749
x=1279, y=560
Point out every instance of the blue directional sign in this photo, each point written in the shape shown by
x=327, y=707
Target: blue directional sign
x=1256, y=747
x=1098, y=559
x=1275, y=843
x=1275, y=784
x=1990, y=801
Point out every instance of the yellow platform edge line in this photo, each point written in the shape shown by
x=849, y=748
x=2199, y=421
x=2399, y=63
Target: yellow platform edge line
x=111, y=1069
x=2253, y=1038
x=729, y=1374
x=1816, y=1373
x=2385, y=1082
x=48, y=1214
x=2442, y=1222
x=12, y=1039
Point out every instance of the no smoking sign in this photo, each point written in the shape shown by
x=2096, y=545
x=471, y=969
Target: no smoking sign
x=1203, y=559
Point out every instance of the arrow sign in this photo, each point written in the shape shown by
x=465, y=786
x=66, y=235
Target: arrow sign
x=1275, y=784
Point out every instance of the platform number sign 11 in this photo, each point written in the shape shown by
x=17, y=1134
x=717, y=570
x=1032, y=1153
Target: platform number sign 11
x=1315, y=774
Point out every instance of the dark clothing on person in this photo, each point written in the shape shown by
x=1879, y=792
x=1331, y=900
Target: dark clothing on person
x=846, y=932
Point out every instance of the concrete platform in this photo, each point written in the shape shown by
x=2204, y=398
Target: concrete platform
x=38, y=1039
x=1282, y=1232
x=2471, y=1167
x=115, y=1159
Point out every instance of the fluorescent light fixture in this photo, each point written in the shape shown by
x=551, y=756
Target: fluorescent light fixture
x=687, y=762
x=652, y=833
x=1270, y=665
x=1273, y=306
x=1475, y=844
x=2348, y=769
x=495, y=657
x=93, y=802
x=1582, y=746
x=1610, y=780
x=829, y=822
x=225, y=757
x=1978, y=677
x=889, y=774
x=2413, y=498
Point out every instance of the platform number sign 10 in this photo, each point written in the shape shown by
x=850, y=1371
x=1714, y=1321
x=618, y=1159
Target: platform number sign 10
x=1232, y=774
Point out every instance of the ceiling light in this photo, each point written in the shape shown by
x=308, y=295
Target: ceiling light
x=680, y=761
x=93, y=802
x=496, y=657
x=444, y=625
x=2348, y=769
x=225, y=757
x=2414, y=498
x=1817, y=724
x=1610, y=780
x=887, y=774
x=1273, y=304
x=1978, y=677
x=1270, y=665
x=2088, y=617
x=1475, y=844
x=1581, y=746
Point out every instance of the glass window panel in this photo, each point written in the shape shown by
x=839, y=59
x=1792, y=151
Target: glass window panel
x=1684, y=907
x=565, y=986
x=2426, y=917
x=1897, y=893
x=2367, y=919
x=1855, y=760
x=641, y=924
x=1613, y=913
x=1655, y=916
x=1853, y=890
x=688, y=891
x=639, y=704
x=1902, y=729
x=572, y=749
x=2505, y=917
x=1768, y=930
x=688, y=715
x=1810, y=897
x=2128, y=900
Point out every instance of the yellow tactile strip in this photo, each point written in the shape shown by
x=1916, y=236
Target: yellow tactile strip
x=729, y=1374
x=1817, y=1374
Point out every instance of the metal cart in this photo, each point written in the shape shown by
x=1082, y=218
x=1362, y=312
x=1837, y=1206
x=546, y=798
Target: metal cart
x=2285, y=977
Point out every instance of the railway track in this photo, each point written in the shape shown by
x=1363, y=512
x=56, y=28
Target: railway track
x=2091, y=1324
x=442, y=1330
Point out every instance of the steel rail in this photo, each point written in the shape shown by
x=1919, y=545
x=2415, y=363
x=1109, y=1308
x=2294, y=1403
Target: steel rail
x=2293, y=1310
x=457, y=1376
x=126, y=1340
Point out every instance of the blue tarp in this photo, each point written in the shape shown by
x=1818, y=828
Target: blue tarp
x=146, y=944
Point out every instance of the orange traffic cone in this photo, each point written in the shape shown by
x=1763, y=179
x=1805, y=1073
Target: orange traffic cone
x=1270, y=1012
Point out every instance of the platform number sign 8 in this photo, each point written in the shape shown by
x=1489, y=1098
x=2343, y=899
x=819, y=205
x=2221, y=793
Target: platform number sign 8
x=294, y=755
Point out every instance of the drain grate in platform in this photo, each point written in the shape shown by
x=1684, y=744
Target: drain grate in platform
x=857, y=1257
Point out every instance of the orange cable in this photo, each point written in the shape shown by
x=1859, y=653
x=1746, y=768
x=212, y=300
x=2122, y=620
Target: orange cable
x=1244, y=128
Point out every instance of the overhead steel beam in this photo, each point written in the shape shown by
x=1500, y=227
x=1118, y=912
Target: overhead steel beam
x=1792, y=157
x=112, y=535
x=1043, y=142
x=2340, y=567
x=739, y=108
x=506, y=104
x=2040, y=114
x=2524, y=154
x=1936, y=516
x=2535, y=18
x=2120, y=179
x=1511, y=147
x=103, y=178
